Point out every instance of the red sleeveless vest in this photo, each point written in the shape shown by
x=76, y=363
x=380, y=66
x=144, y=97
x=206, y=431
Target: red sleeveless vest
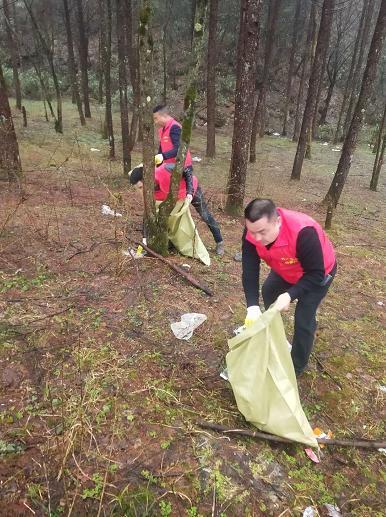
x=162, y=179
x=281, y=256
x=167, y=144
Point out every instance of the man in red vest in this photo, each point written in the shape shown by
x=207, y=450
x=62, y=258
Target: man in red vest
x=302, y=262
x=169, y=141
x=162, y=178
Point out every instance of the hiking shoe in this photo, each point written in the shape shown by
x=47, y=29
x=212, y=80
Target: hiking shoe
x=238, y=256
x=220, y=248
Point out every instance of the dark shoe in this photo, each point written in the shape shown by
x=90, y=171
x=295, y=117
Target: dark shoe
x=220, y=248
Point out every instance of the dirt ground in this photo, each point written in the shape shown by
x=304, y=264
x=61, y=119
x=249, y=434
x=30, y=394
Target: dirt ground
x=100, y=404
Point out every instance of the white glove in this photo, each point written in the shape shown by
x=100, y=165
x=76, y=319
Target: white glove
x=158, y=159
x=253, y=313
x=189, y=198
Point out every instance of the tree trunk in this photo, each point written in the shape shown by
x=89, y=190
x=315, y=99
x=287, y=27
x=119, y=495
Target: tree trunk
x=294, y=45
x=322, y=44
x=359, y=65
x=248, y=43
x=307, y=153
x=101, y=46
x=318, y=96
x=211, y=81
x=83, y=57
x=122, y=71
x=258, y=123
x=306, y=59
x=13, y=52
x=380, y=146
x=133, y=57
x=349, y=83
x=350, y=142
x=71, y=63
x=10, y=164
x=45, y=94
x=50, y=58
x=331, y=85
x=107, y=69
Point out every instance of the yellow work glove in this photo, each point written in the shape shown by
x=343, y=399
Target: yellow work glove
x=253, y=314
x=158, y=159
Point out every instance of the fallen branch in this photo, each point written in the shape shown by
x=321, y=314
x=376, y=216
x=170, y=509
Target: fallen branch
x=367, y=444
x=179, y=270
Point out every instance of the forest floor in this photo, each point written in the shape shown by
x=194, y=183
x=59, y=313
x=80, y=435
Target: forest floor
x=99, y=402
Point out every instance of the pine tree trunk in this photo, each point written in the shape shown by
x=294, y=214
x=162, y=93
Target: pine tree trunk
x=258, y=123
x=9, y=24
x=349, y=145
x=306, y=59
x=349, y=83
x=83, y=57
x=315, y=117
x=359, y=65
x=122, y=71
x=327, y=100
x=133, y=57
x=248, y=43
x=322, y=44
x=380, y=146
x=71, y=63
x=101, y=47
x=294, y=44
x=211, y=81
x=10, y=164
x=107, y=69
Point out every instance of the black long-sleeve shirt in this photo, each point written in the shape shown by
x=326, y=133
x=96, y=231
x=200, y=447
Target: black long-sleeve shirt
x=308, y=252
x=175, y=136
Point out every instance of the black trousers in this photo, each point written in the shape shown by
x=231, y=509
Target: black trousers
x=202, y=209
x=305, y=315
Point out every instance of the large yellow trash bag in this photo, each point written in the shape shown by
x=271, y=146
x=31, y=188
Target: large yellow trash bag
x=183, y=233
x=263, y=380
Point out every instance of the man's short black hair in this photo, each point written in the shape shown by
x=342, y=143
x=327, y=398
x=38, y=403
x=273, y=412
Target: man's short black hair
x=159, y=107
x=259, y=208
x=136, y=175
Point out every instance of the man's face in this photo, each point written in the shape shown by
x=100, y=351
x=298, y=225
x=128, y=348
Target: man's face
x=159, y=118
x=264, y=230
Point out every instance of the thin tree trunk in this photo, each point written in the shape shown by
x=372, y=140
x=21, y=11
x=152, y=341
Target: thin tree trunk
x=349, y=83
x=13, y=52
x=318, y=97
x=101, y=46
x=10, y=164
x=71, y=63
x=306, y=59
x=107, y=69
x=133, y=57
x=331, y=85
x=307, y=153
x=322, y=44
x=83, y=57
x=294, y=44
x=248, y=43
x=258, y=123
x=46, y=95
x=349, y=145
x=380, y=145
x=359, y=65
x=211, y=81
x=122, y=71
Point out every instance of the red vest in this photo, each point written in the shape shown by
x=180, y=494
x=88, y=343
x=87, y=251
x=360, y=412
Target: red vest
x=281, y=256
x=162, y=179
x=167, y=144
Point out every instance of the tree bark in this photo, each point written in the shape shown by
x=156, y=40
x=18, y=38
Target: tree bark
x=107, y=69
x=101, y=46
x=350, y=142
x=332, y=76
x=133, y=58
x=83, y=57
x=9, y=24
x=294, y=45
x=322, y=44
x=248, y=43
x=71, y=63
x=380, y=145
x=122, y=71
x=10, y=164
x=305, y=61
x=211, y=81
x=359, y=65
x=258, y=123
x=349, y=83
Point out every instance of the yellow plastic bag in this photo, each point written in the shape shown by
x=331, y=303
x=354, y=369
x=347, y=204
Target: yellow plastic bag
x=263, y=380
x=184, y=235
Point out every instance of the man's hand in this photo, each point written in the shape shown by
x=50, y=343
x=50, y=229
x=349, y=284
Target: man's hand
x=283, y=302
x=253, y=313
x=158, y=159
x=189, y=198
